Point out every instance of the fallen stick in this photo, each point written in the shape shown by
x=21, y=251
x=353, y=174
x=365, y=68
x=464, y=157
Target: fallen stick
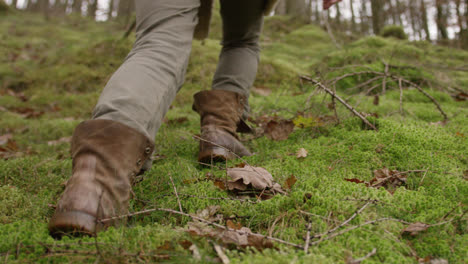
x=176, y=194
x=203, y=221
x=307, y=241
x=356, y=113
x=425, y=93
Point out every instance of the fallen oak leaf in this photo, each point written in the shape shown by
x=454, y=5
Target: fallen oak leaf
x=59, y=141
x=355, y=180
x=388, y=178
x=262, y=91
x=279, y=130
x=301, y=153
x=289, y=183
x=27, y=112
x=242, y=237
x=249, y=177
x=5, y=138
x=415, y=228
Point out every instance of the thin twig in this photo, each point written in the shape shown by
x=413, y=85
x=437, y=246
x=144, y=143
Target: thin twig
x=425, y=93
x=346, y=221
x=316, y=215
x=307, y=241
x=355, y=227
x=337, y=79
x=401, y=95
x=204, y=221
x=221, y=198
x=384, y=81
x=365, y=83
x=341, y=101
x=359, y=260
x=221, y=255
x=176, y=194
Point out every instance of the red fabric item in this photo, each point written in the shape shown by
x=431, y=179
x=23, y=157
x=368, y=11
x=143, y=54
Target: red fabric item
x=328, y=3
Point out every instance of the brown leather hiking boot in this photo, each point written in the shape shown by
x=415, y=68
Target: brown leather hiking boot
x=220, y=116
x=106, y=157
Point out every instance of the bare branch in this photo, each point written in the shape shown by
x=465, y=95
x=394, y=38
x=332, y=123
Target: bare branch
x=206, y=222
x=177, y=195
x=356, y=113
x=425, y=93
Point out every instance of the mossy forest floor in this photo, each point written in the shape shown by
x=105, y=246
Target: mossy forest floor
x=60, y=66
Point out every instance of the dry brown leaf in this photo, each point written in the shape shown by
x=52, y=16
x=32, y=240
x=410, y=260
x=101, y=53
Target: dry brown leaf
x=461, y=97
x=220, y=184
x=279, y=130
x=355, y=180
x=178, y=120
x=231, y=224
x=389, y=179
x=376, y=100
x=5, y=138
x=59, y=141
x=27, y=112
x=19, y=95
x=289, y=183
x=242, y=237
x=439, y=123
x=414, y=229
x=252, y=178
x=210, y=213
x=301, y=153
x=263, y=91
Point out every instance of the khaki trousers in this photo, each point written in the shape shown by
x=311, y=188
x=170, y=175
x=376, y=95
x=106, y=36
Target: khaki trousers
x=140, y=92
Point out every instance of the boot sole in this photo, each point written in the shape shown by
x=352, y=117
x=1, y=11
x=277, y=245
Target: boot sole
x=214, y=155
x=73, y=223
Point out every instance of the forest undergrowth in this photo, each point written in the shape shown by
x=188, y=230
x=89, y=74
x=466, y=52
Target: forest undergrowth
x=393, y=190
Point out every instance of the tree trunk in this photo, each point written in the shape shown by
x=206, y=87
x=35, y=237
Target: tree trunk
x=425, y=22
x=92, y=8
x=441, y=20
x=353, y=17
x=125, y=8
x=14, y=3
x=317, y=12
x=110, y=9
x=399, y=11
x=413, y=18
x=364, y=18
x=393, y=12
x=297, y=8
x=76, y=6
x=338, y=16
x=377, y=13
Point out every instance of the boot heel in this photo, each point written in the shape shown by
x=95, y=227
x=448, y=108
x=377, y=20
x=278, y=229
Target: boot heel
x=215, y=154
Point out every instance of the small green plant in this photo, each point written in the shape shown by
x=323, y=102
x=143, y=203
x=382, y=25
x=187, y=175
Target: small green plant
x=394, y=31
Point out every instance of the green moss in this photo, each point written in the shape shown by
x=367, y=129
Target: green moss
x=394, y=31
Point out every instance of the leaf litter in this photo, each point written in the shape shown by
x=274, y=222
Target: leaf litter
x=386, y=178
x=235, y=234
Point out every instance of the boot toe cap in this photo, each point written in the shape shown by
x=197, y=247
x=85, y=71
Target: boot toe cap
x=72, y=223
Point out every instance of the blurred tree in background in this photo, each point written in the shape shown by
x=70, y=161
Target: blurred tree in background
x=442, y=21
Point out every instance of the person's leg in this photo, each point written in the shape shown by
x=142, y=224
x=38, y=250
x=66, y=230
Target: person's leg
x=238, y=61
x=223, y=109
x=110, y=150
x=142, y=89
